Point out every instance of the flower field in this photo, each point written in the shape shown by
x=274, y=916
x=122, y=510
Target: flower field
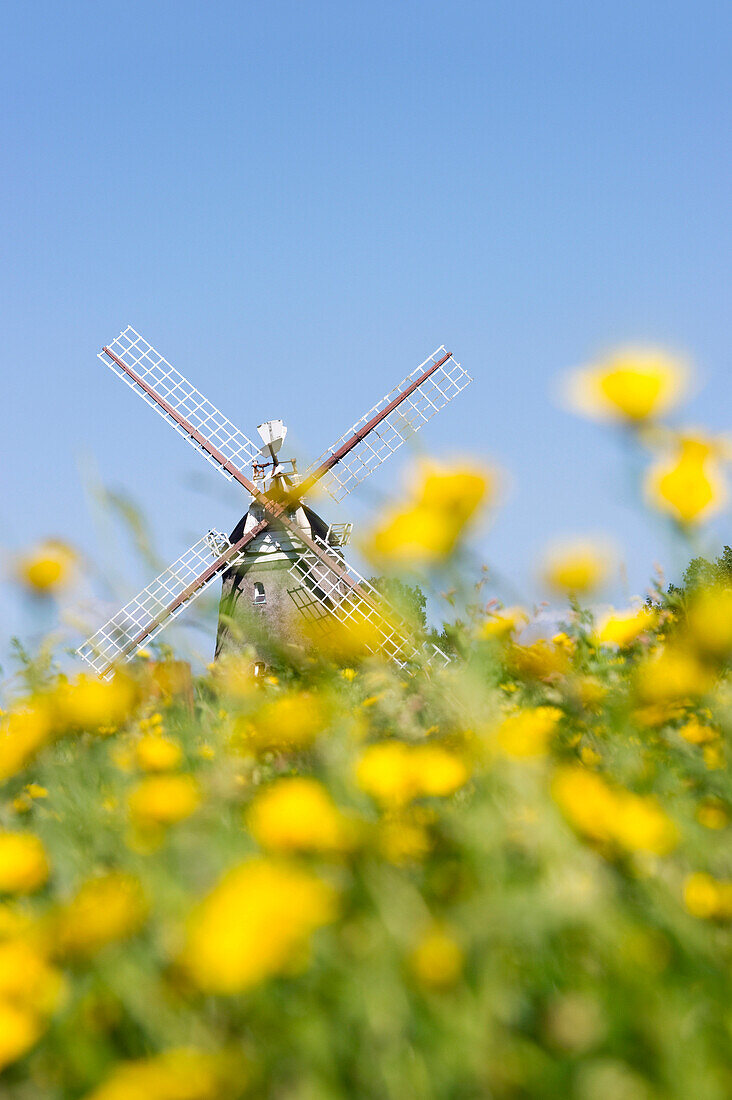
x=507, y=878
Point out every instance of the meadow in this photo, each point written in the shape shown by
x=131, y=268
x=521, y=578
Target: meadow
x=507, y=878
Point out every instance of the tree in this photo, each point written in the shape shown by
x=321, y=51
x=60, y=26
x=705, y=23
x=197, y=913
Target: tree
x=408, y=599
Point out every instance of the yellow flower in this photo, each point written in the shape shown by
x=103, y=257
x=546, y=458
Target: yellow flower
x=93, y=704
x=47, y=568
x=528, y=733
x=298, y=815
x=696, y=733
x=154, y=753
x=233, y=675
x=290, y=721
x=179, y=1074
x=20, y=1029
x=394, y=773
x=403, y=838
x=631, y=385
x=22, y=733
x=254, y=924
x=23, y=863
x=385, y=772
x=426, y=529
x=622, y=628
x=709, y=622
x=712, y=814
x=672, y=673
x=105, y=909
x=36, y=791
x=714, y=757
x=437, y=771
x=437, y=960
x=689, y=484
x=163, y=800
x=538, y=661
x=27, y=978
x=576, y=568
x=617, y=817
x=708, y=897
x=500, y=625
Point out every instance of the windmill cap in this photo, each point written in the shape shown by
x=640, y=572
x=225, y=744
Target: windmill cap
x=272, y=433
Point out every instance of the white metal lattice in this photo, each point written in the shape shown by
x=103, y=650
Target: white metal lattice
x=396, y=427
x=178, y=393
x=360, y=608
x=140, y=620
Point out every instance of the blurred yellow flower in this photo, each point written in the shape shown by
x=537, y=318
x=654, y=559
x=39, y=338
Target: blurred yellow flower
x=48, y=567
x=689, y=484
x=427, y=528
x=576, y=568
x=438, y=772
x=528, y=733
x=538, y=661
x=709, y=622
x=385, y=771
x=403, y=838
x=90, y=703
x=253, y=924
x=290, y=721
x=622, y=628
x=631, y=385
x=698, y=733
x=27, y=978
x=671, y=673
x=437, y=960
x=501, y=625
x=712, y=814
x=394, y=773
x=108, y=908
x=632, y=822
x=155, y=753
x=20, y=1029
x=708, y=897
x=180, y=1074
x=163, y=800
x=22, y=733
x=714, y=757
x=23, y=863
x=298, y=815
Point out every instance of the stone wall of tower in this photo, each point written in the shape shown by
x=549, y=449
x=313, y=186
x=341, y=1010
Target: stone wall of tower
x=276, y=627
x=265, y=627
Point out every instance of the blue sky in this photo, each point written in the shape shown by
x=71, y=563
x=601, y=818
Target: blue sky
x=296, y=202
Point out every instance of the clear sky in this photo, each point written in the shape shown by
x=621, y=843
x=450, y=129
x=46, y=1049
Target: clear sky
x=296, y=202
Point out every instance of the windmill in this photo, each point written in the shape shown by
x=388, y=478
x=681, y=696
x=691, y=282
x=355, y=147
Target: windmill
x=278, y=527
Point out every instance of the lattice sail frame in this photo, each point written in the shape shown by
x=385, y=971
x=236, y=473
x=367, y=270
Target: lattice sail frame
x=150, y=610
x=396, y=427
x=326, y=600
x=182, y=396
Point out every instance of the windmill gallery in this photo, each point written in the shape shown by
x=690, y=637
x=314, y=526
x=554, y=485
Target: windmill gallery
x=283, y=564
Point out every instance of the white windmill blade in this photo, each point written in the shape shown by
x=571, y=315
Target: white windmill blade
x=192, y=415
x=140, y=620
x=385, y=427
x=325, y=598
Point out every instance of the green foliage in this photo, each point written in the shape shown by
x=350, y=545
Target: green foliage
x=408, y=599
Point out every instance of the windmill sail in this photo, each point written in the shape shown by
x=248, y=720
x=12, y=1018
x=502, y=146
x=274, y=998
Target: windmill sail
x=385, y=427
x=331, y=595
x=143, y=617
x=192, y=415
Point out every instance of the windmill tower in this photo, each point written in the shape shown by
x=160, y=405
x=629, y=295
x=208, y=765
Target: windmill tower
x=261, y=591
x=282, y=559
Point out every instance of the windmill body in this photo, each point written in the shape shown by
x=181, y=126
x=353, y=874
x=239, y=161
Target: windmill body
x=282, y=563
x=262, y=596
